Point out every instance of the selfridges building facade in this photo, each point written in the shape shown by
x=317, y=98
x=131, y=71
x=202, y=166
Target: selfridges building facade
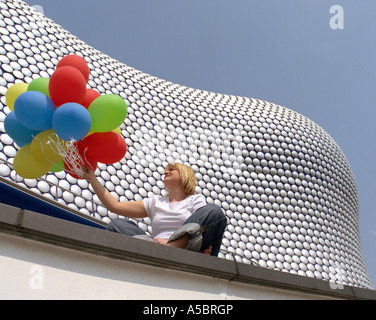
x=286, y=187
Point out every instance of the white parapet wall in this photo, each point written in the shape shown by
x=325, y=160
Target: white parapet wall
x=36, y=270
x=43, y=257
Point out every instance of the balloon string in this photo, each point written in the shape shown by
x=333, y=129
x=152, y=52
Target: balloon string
x=69, y=152
x=86, y=160
x=41, y=145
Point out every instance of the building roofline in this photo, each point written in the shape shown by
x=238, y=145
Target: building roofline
x=59, y=232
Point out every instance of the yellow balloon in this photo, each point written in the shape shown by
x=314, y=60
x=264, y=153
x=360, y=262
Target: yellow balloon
x=117, y=130
x=26, y=166
x=43, y=147
x=88, y=134
x=13, y=92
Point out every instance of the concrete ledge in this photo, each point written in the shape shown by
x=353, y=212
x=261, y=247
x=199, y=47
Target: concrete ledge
x=75, y=236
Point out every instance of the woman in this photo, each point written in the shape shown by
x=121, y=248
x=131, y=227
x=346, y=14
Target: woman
x=183, y=219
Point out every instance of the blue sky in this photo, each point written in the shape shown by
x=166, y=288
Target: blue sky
x=281, y=51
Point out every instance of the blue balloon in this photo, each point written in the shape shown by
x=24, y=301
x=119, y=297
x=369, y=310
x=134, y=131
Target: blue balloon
x=71, y=121
x=34, y=110
x=19, y=133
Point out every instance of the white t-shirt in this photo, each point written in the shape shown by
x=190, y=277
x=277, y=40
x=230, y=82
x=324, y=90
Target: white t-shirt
x=166, y=217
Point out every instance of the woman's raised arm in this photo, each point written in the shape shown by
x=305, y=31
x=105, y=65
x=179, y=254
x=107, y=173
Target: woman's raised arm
x=130, y=209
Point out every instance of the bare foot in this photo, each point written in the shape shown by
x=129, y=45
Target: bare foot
x=178, y=243
x=161, y=241
x=181, y=243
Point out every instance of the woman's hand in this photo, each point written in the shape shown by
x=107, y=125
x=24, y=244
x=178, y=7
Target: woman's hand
x=89, y=173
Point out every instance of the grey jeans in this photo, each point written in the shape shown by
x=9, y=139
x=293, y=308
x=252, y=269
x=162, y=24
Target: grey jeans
x=205, y=228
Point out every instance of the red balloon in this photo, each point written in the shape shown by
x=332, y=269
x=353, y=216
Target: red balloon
x=67, y=84
x=77, y=162
x=90, y=96
x=105, y=147
x=77, y=62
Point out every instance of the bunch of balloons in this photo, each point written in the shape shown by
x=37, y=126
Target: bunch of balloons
x=60, y=124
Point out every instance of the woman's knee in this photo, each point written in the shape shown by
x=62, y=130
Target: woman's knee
x=216, y=212
x=124, y=226
x=112, y=226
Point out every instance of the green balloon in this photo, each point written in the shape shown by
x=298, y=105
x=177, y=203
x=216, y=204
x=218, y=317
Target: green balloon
x=57, y=167
x=40, y=85
x=107, y=113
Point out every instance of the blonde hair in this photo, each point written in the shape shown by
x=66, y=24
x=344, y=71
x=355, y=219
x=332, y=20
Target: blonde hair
x=187, y=177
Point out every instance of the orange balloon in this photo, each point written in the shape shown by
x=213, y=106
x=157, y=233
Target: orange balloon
x=105, y=147
x=77, y=62
x=90, y=96
x=67, y=84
